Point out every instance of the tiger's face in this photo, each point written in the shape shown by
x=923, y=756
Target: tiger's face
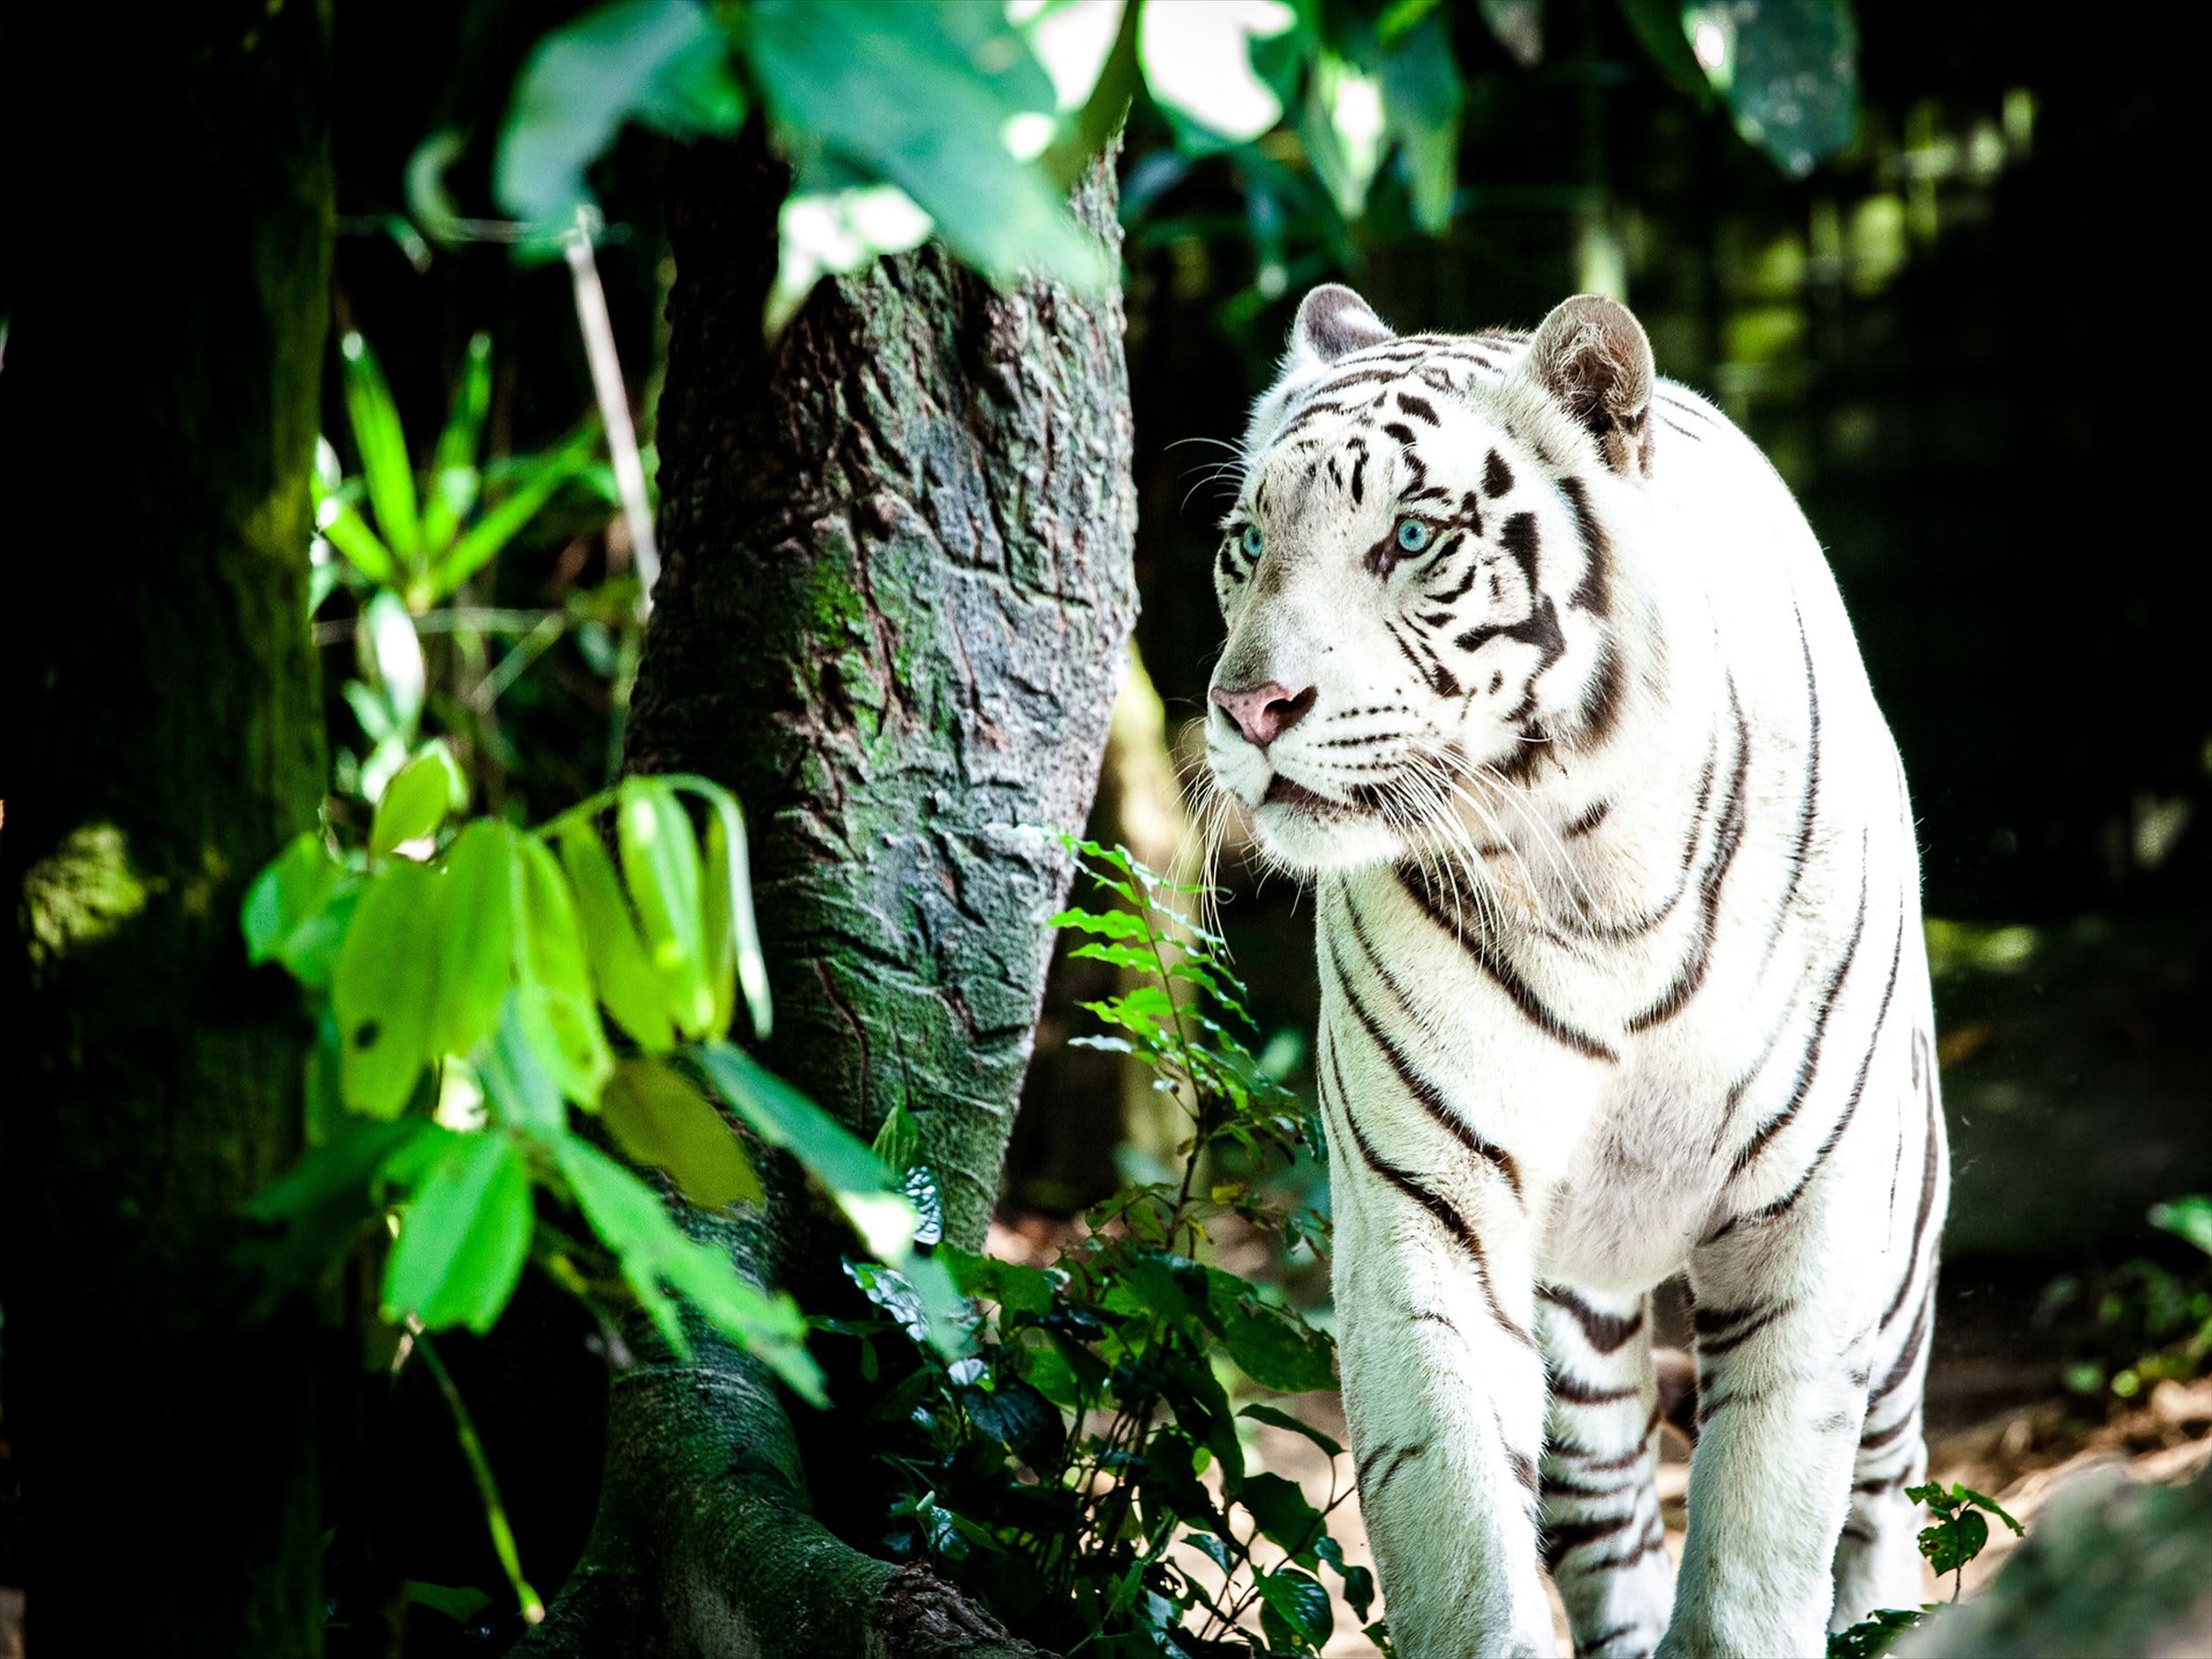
x=1415, y=588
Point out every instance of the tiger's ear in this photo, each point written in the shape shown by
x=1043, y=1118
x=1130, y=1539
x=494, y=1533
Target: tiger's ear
x=1333, y=320
x=1591, y=356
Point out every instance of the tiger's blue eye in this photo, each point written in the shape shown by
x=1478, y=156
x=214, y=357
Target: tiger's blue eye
x=1413, y=535
x=1252, y=540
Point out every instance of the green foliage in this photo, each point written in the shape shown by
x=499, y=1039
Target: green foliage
x=458, y=979
x=1081, y=1466
x=406, y=544
x=1958, y=1531
x=900, y=118
x=2148, y=1322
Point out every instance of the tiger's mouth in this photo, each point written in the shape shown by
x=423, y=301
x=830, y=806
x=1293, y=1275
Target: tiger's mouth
x=1287, y=792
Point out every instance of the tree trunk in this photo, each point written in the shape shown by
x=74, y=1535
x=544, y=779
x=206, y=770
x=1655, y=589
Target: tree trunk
x=163, y=735
x=896, y=600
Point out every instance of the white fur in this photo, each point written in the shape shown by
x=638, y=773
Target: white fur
x=1458, y=1296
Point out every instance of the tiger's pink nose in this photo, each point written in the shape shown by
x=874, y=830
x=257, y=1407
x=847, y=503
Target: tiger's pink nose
x=1264, y=713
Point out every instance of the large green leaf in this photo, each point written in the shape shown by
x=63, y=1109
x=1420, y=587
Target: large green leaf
x=658, y=1260
x=658, y=1116
x=664, y=63
x=382, y=990
x=464, y=1237
x=377, y=434
x=1294, y=1612
x=516, y=1070
x=918, y=93
x=660, y=860
x=553, y=996
x=622, y=973
x=475, y=942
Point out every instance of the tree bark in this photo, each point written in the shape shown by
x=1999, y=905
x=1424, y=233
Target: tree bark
x=162, y=738
x=896, y=596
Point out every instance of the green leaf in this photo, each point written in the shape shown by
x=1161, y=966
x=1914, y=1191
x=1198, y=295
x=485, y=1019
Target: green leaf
x=1283, y=1420
x=454, y=477
x=516, y=1073
x=554, y=999
x=918, y=93
x=324, y=1202
x=659, y=1261
x=345, y=529
x=784, y=1118
x=297, y=910
x=385, y=467
x=656, y=1117
x=464, y=1236
x=731, y=933
x=458, y=1602
x=1788, y=71
x=663, y=63
x=388, y=641
x=475, y=941
x=1294, y=1609
x=1113, y=924
x=1657, y=24
x=624, y=978
x=1275, y=1348
x=2188, y=1218
x=1422, y=99
x=533, y=486
x=660, y=861
x=1200, y=66
x=417, y=800
x=379, y=992
x=1519, y=27
x=899, y=1143
x=1951, y=1543
x=1282, y=1511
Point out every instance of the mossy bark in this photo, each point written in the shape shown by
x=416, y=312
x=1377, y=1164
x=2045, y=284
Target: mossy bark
x=162, y=738
x=893, y=610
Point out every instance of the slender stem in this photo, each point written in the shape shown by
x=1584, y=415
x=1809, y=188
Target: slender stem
x=532, y=1606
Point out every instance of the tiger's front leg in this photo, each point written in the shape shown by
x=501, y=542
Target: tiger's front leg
x=1443, y=1388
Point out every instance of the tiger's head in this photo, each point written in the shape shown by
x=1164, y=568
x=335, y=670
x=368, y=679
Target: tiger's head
x=1419, y=593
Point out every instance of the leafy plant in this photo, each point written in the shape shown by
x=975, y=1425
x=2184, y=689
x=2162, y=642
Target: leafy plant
x=405, y=542
x=464, y=1076
x=1080, y=1467
x=905, y=117
x=1957, y=1532
x=2149, y=1323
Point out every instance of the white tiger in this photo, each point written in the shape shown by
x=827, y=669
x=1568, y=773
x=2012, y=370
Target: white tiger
x=1622, y=977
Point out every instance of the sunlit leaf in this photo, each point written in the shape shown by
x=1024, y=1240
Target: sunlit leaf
x=657, y=1262
x=454, y=477
x=380, y=991
x=346, y=530
x=389, y=642
x=516, y=1073
x=553, y=1000
x=658, y=1116
x=663, y=63
x=2189, y=1219
x=660, y=863
x=624, y=978
x=464, y=1237
x=1421, y=98
x=474, y=945
x=918, y=93
x=417, y=800
x=377, y=434
x=730, y=925
x=533, y=486
x=1197, y=61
